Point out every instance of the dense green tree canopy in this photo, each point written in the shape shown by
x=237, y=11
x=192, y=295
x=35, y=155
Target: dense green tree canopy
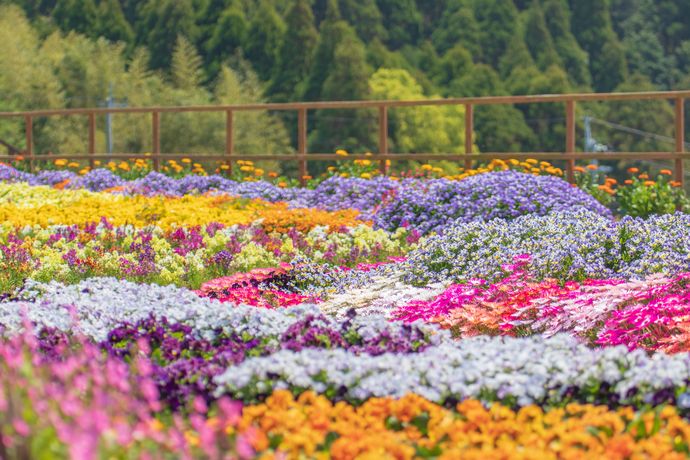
x=183, y=51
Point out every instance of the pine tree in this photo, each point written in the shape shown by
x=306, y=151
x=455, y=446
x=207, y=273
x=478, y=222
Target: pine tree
x=402, y=21
x=228, y=36
x=591, y=24
x=187, y=72
x=112, y=24
x=458, y=26
x=353, y=130
x=76, y=15
x=574, y=58
x=265, y=34
x=538, y=38
x=333, y=31
x=296, y=54
x=163, y=21
x=497, y=21
x=365, y=17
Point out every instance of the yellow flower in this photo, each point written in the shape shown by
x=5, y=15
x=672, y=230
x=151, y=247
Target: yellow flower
x=60, y=162
x=83, y=171
x=341, y=152
x=427, y=167
x=124, y=166
x=282, y=184
x=73, y=165
x=531, y=161
x=331, y=168
x=197, y=165
x=366, y=162
x=186, y=160
x=224, y=167
x=97, y=163
x=365, y=176
x=246, y=168
x=258, y=172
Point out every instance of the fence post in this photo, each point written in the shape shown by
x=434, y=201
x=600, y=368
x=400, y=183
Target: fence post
x=229, y=139
x=680, y=139
x=28, y=121
x=383, y=138
x=92, y=138
x=302, y=145
x=469, y=128
x=156, y=147
x=570, y=138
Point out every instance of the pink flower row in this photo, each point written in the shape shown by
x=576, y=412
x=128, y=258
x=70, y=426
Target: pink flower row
x=653, y=313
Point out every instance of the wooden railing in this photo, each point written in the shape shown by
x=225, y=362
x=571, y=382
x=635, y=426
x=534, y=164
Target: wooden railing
x=569, y=154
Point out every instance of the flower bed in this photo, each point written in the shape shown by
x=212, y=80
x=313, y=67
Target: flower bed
x=420, y=317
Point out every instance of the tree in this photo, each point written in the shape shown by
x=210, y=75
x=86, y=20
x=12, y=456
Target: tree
x=293, y=67
x=497, y=20
x=348, y=80
x=332, y=32
x=187, y=72
x=365, y=17
x=538, y=38
x=163, y=21
x=574, y=58
x=111, y=22
x=265, y=34
x=227, y=37
x=591, y=24
x=76, y=15
x=650, y=116
x=427, y=129
x=499, y=128
x=402, y=21
x=458, y=26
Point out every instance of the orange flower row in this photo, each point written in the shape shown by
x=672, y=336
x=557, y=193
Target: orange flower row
x=279, y=218
x=313, y=427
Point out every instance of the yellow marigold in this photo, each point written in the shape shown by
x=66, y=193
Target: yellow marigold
x=258, y=172
x=246, y=168
x=224, y=167
x=60, y=162
x=427, y=167
x=531, y=161
x=186, y=160
x=365, y=176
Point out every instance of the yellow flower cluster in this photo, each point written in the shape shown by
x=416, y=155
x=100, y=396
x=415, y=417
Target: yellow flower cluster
x=384, y=428
x=529, y=166
x=22, y=205
x=281, y=219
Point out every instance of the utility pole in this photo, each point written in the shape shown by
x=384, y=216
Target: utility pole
x=110, y=103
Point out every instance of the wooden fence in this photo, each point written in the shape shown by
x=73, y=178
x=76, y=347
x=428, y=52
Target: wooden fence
x=569, y=154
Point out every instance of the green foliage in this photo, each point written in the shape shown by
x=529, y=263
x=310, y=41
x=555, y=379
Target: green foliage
x=74, y=50
x=421, y=129
x=643, y=198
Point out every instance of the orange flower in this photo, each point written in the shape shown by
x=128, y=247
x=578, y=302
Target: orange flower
x=633, y=170
x=675, y=183
x=628, y=182
x=592, y=167
x=666, y=172
x=19, y=158
x=644, y=176
x=579, y=169
x=649, y=183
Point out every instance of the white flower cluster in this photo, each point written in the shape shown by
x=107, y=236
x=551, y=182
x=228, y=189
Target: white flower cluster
x=526, y=370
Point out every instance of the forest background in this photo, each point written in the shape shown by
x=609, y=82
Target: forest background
x=78, y=53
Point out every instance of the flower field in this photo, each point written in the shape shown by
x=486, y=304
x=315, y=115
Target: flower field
x=496, y=313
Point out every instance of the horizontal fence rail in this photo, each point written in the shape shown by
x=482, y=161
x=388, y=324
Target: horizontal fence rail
x=569, y=155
